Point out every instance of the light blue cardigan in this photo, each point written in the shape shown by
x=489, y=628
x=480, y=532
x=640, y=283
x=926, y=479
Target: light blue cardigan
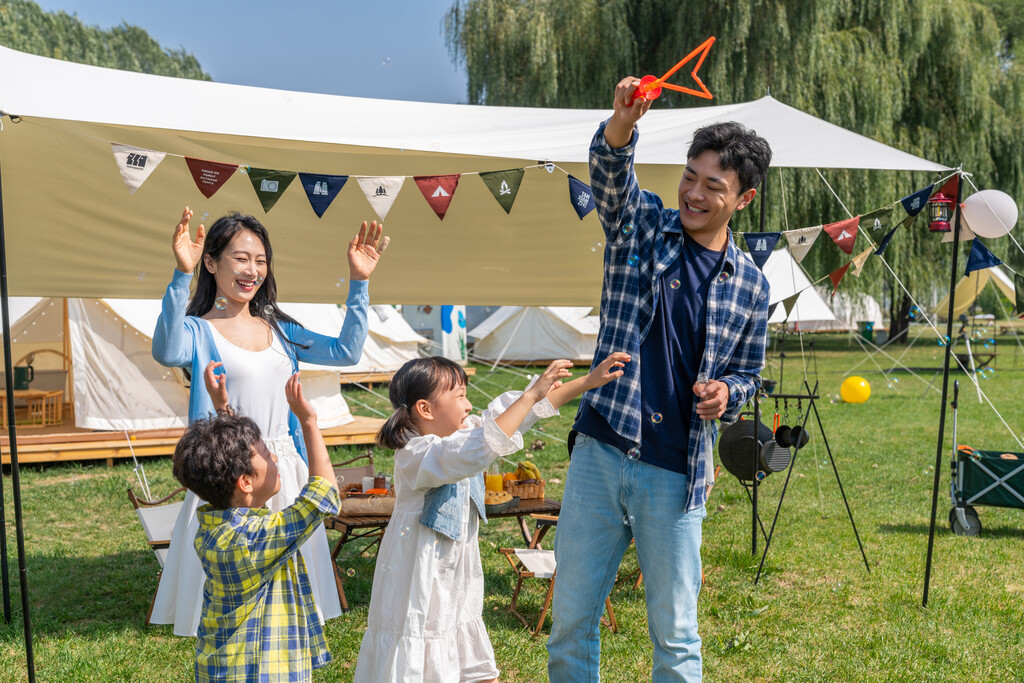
x=182, y=341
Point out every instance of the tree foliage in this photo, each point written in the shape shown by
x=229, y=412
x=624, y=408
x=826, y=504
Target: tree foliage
x=941, y=81
x=26, y=27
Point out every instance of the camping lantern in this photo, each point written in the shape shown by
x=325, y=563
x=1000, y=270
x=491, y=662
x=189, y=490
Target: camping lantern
x=940, y=208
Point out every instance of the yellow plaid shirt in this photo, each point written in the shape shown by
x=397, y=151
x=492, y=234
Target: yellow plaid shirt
x=259, y=622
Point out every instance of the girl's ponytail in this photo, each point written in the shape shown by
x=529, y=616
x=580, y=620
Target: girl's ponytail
x=395, y=432
x=419, y=379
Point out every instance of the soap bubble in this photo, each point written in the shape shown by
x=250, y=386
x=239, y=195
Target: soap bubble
x=633, y=453
x=268, y=310
x=656, y=418
x=140, y=277
x=595, y=246
x=761, y=397
x=987, y=373
x=760, y=475
x=975, y=456
x=835, y=398
x=943, y=340
x=627, y=229
x=220, y=302
x=823, y=464
x=674, y=284
x=914, y=312
x=633, y=260
x=351, y=572
x=723, y=276
x=386, y=61
x=237, y=271
x=339, y=282
x=988, y=344
x=404, y=531
x=893, y=383
x=628, y=520
x=837, y=586
x=930, y=469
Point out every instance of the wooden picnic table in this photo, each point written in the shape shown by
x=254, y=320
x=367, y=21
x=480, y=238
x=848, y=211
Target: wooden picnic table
x=355, y=527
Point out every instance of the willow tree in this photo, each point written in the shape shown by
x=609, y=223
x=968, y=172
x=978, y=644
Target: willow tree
x=939, y=81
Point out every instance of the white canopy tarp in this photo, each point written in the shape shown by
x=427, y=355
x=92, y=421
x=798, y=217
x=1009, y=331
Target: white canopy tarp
x=786, y=277
x=537, y=333
x=62, y=186
x=970, y=286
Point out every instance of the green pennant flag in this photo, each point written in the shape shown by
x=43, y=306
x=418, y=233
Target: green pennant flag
x=269, y=185
x=789, y=303
x=504, y=185
x=876, y=220
x=1018, y=286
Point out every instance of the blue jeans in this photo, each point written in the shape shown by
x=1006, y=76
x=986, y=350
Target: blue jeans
x=603, y=487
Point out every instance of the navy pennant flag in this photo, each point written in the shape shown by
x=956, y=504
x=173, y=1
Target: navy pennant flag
x=760, y=245
x=581, y=196
x=888, y=237
x=980, y=258
x=270, y=185
x=913, y=203
x=321, y=190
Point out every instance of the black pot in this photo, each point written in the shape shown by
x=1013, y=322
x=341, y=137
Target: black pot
x=736, y=448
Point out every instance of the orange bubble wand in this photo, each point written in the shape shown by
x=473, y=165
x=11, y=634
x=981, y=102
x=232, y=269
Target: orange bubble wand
x=650, y=87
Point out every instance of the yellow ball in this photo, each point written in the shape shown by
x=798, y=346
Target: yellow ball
x=855, y=390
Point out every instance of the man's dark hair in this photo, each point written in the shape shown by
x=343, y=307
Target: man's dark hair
x=739, y=149
x=212, y=454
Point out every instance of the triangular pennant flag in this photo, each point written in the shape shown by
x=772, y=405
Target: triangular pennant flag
x=135, y=164
x=581, y=196
x=270, y=185
x=760, y=245
x=966, y=234
x=980, y=258
x=800, y=241
x=844, y=233
x=504, y=185
x=381, y=192
x=949, y=187
x=438, y=190
x=859, y=259
x=1018, y=290
x=885, y=240
x=789, y=303
x=913, y=203
x=209, y=175
x=836, y=276
x=877, y=219
x=321, y=189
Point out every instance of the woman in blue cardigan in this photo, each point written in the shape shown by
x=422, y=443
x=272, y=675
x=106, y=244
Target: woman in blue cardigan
x=233, y=321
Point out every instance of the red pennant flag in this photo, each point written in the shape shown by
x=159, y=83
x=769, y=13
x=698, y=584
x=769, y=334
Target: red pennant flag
x=844, y=233
x=438, y=190
x=836, y=276
x=209, y=175
x=949, y=187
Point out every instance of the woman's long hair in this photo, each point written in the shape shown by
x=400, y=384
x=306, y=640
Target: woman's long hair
x=221, y=233
x=418, y=379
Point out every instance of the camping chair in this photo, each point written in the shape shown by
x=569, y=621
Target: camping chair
x=157, y=518
x=536, y=563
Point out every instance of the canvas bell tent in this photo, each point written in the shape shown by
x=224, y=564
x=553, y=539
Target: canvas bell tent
x=970, y=287
x=786, y=277
x=536, y=333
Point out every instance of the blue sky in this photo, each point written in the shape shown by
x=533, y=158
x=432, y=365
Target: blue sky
x=393, y=49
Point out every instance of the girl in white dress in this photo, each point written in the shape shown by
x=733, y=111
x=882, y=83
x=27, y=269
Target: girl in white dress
x=233, y=321
x=425, y=621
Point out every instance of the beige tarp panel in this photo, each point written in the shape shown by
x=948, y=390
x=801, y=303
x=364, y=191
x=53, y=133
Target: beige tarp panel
x=970, y=286
x=73, y=228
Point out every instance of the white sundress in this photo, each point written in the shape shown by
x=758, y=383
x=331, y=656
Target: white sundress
x=256, y=382
x=425, y=621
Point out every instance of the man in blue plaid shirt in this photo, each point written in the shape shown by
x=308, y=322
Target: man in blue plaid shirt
x=691, y=309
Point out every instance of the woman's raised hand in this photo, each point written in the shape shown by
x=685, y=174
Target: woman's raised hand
x=187, y=252
x=363, y=252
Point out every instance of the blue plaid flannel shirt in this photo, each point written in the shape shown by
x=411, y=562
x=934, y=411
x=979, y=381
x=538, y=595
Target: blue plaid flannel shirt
x=259, y=623
x=737, y=307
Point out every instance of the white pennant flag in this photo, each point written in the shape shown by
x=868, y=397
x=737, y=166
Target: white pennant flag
x=135, y=164
x=381, y=192
x=800, y=241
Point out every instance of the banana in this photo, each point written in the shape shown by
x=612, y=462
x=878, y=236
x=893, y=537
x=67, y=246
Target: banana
x=530, y=469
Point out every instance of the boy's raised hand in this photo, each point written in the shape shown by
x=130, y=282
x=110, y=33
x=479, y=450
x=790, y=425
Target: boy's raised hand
x=607, y=370
x=297, y=402
x=550, y=379
x=216, y=385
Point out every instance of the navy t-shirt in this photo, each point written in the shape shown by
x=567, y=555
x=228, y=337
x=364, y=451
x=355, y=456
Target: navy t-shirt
x=670, y=360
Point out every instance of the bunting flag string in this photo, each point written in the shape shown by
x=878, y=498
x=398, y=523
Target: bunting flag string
x=135, y=164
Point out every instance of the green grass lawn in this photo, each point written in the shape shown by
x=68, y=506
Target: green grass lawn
x=816, y=615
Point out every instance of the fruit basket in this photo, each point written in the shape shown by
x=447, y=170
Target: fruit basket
x=525, y=488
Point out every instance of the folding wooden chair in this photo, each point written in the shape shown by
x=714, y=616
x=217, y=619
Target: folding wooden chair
x=536, y=563
x=157, y=518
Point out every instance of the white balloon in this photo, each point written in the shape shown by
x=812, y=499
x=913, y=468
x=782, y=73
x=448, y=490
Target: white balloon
x=990, y=213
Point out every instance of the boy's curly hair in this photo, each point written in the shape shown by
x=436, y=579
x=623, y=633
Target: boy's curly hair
x=212, y=454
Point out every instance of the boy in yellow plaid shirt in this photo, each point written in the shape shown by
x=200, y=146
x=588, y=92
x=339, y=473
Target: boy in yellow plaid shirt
x=258, y=621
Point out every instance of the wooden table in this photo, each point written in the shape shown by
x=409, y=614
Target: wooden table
x=355, y=527
x=44, y=407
